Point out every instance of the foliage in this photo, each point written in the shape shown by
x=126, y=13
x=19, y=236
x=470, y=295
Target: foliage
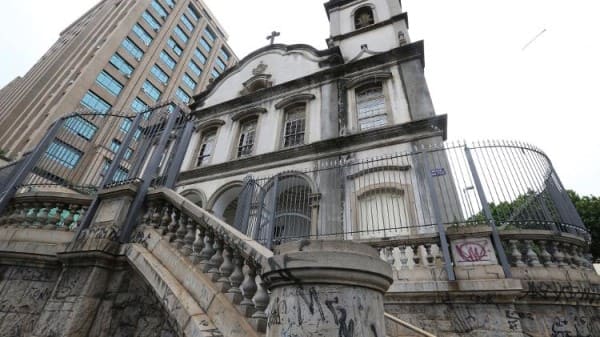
x=588, y=208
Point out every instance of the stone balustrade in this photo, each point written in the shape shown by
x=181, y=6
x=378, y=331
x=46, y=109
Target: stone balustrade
x=538, y=248
x=46, y=210
x=231, y=260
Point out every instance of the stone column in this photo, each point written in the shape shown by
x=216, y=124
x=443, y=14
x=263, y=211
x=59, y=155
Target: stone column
x=326, y=288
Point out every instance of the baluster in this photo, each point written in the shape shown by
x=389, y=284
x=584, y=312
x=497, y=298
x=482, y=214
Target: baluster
x=261, y=301
x=43, y=215
x=403, y=257
x=54, y=217
x=428, y=255
x=558, y=255
x=190, y=235
x=532, y=258
x=217, y=259
x=165, y=219
x=208, y=251
x=35, y=223
x=173, y=223
x=545, y=256
x=236, y=278
x=198, y=245
x=415, y=256
x=567, y=253
x=72, y=208
x=22, y=212
x=389, y=256
x=438, y=259
x=78, y=217
x=30, y=216
x=181, y=231
x=226, y=268
x=24, y=222
x=575, y=257
x=248, y=289
x=515, y=253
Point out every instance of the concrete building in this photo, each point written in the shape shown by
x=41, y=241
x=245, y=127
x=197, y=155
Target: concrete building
x=119, y=56
x=307, y=193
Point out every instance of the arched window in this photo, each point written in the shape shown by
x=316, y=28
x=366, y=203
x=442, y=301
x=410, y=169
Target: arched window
x=363, y=17
x=294, y=125
x=207, y=147
x=383, y=212
x=247, y=137
x=370, y=106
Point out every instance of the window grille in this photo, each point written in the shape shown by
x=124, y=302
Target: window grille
x=370, y=106
x=295, y=124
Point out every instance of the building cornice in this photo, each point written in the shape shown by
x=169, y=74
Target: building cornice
x=380, y=24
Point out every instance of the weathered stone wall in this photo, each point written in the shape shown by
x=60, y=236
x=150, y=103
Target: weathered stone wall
x=490, y=320
x=79, y=302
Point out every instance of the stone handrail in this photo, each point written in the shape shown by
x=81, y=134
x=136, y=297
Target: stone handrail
x=407, y=325
x=46, y=210
x=232, y=260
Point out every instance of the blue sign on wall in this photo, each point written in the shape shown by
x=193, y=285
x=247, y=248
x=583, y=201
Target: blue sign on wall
x=437, y=172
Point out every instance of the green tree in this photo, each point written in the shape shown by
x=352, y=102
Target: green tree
x=588, y=208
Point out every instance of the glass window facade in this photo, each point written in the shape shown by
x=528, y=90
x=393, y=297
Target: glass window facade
x=225, y=55
x=133, y=49
x=126, y=125
x=159, y=9
x=95, y=103
x=109, y=83
x=189, y=81
x=195, y=68
x=151, y=91
x=181, y=34
x=152, y=22
x=81, y=127
x=215, y=73
x=210, y=35
x=187, y=23
x=160, y=74
x=118, y=62
x=205, y=44
x=193, y=13
x=138, y=105
x=168, y=60
x=174, y=47
x=170, y=3
x=182, y=95
x=64, y=154
x=142, y=34
x=115, y=145
x=220, y=64
x=200, y=56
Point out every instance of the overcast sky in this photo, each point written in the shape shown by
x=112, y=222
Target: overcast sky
x=476, y=68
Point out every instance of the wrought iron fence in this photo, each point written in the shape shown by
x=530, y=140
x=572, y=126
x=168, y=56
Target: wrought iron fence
x=508, y=185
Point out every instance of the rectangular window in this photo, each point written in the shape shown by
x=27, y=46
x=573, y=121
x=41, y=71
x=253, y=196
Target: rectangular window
x=215, y=73
x=81, y=127
x=221, y=64
x=151, y=91
x=120, y=175
x=187, y=23
x=200, y=56
x=210, y=35
x=189, y=81
x=171, y=3
x=159, y=9
x=152, y=22
x=225, y=54
x=138, y=105
x=115, y=145
x=370, y=106
x=109, y=83
x=193, y=13
x=137, y=134
x=206, y=148
x=182, y=95
x=65, y=154
x=205, y=45
x=195, y=68
x=174, y=47
x=95, y=103
x=181, y=34
x=142, y=34
x=126, y=125
x=247, y=135
x=133, y=49
x=295, y=123
x=167, y=59
x=159, y=74
x=128, y=154
x=118, y=62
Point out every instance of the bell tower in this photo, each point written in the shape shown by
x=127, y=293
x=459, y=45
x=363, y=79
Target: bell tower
x=366, y=27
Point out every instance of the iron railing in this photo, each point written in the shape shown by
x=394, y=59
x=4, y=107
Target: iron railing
x=508, y=185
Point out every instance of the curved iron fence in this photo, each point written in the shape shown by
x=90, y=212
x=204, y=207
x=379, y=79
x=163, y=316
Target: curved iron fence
x=509, y=185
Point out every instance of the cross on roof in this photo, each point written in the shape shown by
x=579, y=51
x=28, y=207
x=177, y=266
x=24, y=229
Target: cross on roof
x=273, y=35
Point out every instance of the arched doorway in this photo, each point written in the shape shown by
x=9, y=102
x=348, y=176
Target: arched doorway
x=224, y=203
